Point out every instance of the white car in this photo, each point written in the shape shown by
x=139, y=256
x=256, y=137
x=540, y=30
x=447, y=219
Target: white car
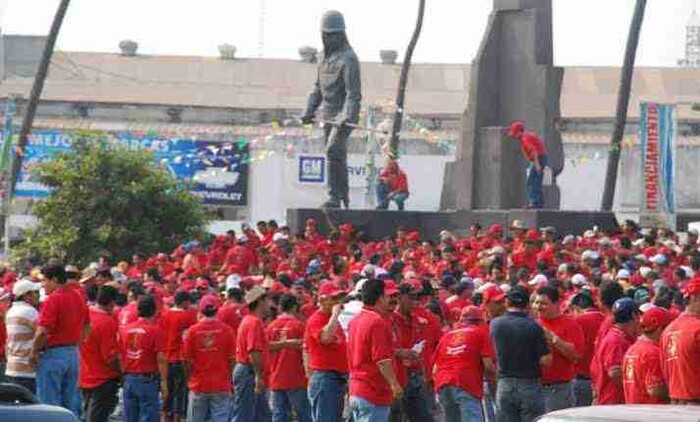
x=626, y=413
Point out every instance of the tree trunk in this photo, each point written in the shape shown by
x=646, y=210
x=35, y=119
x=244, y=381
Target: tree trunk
x=400, y=96
x=623, y=99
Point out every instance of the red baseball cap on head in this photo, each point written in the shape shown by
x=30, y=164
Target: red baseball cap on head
x=209, y=301
x=654, y=318
x=692, y=288
x=329, y=289
x=496, y=229
x=515, y=128
x=390, y=288
x=413, y=236
x=471, y=313
x=532, y=235
x=493, y=294
x=278, y=287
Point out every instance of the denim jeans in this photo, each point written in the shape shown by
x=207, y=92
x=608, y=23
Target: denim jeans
x=57, y=378
x=534, y=184
x=284, y=400
x=364, y=411
x=327, y=395
x=489, y=403
x=248, y=406
x=383, y=200
x=558, y=396
x=459, y=405
x=141, y=398
x=176, y=401
x=415, y=398
x=214, y=407
x=99, y=402
x=519, y=399
x=583, y=392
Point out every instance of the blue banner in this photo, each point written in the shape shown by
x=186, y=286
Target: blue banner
x=657, y=136
x=218, y=170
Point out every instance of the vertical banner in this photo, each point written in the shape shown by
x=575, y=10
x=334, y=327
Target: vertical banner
x=657, y=134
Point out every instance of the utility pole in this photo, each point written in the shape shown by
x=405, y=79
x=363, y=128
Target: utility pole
x=5, y=157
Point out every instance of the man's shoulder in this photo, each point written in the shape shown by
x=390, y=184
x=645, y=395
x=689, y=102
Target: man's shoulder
x=21, y=310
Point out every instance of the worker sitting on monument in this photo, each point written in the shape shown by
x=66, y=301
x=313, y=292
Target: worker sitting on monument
x=535, y=153
x=392, y=185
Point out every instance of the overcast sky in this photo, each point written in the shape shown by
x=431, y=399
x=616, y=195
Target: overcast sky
x=590, y=32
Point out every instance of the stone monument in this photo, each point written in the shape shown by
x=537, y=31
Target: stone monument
x=512, y=77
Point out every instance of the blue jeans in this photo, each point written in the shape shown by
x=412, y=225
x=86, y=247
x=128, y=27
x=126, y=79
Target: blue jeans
x=534, y=184
x=459, y=405
x=415, y=398
x=214, y=407
x=558, y=396
x=327, y=395
x=519, y=399
x=489, y=403
x=284, y=400
x=57, y=378
x=383, y=199
x=583, y=392
x=141, y=398
x=248, y=406
x=364, y=411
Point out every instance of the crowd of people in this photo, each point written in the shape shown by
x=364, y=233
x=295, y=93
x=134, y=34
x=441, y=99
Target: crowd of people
x=503, y=324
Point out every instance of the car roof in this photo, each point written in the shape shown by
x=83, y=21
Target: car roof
x=626, y=413
x=35, y=413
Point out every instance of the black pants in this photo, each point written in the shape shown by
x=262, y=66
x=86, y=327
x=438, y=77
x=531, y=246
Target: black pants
x=28, y=383
x=99, y=402
x=176, y=401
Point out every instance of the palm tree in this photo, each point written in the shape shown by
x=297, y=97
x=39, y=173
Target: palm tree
x=623, y=99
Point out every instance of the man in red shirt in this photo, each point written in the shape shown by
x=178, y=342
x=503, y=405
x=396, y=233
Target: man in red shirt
x=680, y=350
x=287, y=374
x=606, y=366
x=373, y=382
x=534, y=152
x=326, y=348
x=129, y=313
x=233, y=310
x=461, y=298
x=565, y=339
x=175, y=321
x=209, y=353
x=462, y=359
x=99, y=359
x=249, y=376
x=63, y=321
x=142, y=352
x=643, y=381
x=392, y=185
x=590, y=319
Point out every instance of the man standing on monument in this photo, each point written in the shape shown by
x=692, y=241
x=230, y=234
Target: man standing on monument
x=338, y=92
x=535, y=153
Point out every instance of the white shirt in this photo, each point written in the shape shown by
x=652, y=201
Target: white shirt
x=21, y=327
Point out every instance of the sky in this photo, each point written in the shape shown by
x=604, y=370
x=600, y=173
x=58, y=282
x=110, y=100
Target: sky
x=590, y=32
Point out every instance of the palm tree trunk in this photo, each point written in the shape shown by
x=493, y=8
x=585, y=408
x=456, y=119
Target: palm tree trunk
x=623, y=98
x=401, y=95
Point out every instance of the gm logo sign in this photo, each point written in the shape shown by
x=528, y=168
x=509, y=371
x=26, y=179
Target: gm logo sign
x=312, y=169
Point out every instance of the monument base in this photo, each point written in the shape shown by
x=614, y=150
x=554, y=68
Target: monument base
x=376, y=225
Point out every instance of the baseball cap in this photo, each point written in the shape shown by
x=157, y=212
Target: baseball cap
x=24, y=286
x=518, y=296
x=642, y=295
x=659, y=259
x=279, y=236
x=390, y=288
x=471, y=313
x=654, y=318
x=233, y=280
x=623, y=275
x=495, y=229
x=579, y=280
x=692, y=288
x=623, y=310
x=538, y=279
x=465, y=283
x=329, y=289
x=255, y=293
x=493, y=293
x=515, y=128
x=209, y=301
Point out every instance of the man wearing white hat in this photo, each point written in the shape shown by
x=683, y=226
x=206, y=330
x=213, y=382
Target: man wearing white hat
x=21, y=325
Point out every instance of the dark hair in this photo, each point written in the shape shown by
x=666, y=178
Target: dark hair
x=234, y=293
x=433, y=306
x=182, y=297
x=135, y=288
x=583, y=300
x=121, y=299
x=610, y=293
x=664, y=297
x=55, y=270
x=209, y=311
x=91, y=292
x=105, y=273
x=107, y=295
x=372, y=291
x=551, y=292
x=147, y=306
x=289, y=303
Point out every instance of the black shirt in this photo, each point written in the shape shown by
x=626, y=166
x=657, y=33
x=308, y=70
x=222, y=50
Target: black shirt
x=520, y=343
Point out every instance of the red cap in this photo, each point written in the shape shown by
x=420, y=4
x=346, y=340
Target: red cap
x=496, y=229
x=516, y=128
x=471, y=313
x=209, y=301
x=692, y=288
x=202, y=284
x=390, y=288
x=493, y=294
x=278, y=287
x=532, y=235
x=654, y=318
x=329, y=289
x=416, y=285
x=413, y=236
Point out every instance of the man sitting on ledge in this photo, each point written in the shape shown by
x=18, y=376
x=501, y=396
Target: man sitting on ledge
x=392, y=185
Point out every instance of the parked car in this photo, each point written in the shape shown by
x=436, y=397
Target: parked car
x=625, y=413
x=19, y=404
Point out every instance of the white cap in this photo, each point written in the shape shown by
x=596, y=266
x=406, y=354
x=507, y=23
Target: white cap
x=539, y=278
x=24, y=286
x=644, y=271
x=497, y=250
x=579, y=280
x=659, y=259
x=605, y=241
x=568, y=239
x=279, y=236
x=233, y=281
x=623, y=274
x=590, y=254
x=368, y=270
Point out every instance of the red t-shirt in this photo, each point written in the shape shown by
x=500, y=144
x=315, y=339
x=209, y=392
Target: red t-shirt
x=641, y=370
x=286, y=364
x=531, y=144
x=139, y=345
x=98, y=350
x=680, y=350
x=210, y=348
x=369, y=342
x=63, y=314
x=230, y=314
x=175, y=322
x=609, y=355
x=567, y=329
x=458, y=359
x=325, y=357
x=590, y=322
x=605, y=326
x=431, y=333
x=128, y=314
x=251, y=337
